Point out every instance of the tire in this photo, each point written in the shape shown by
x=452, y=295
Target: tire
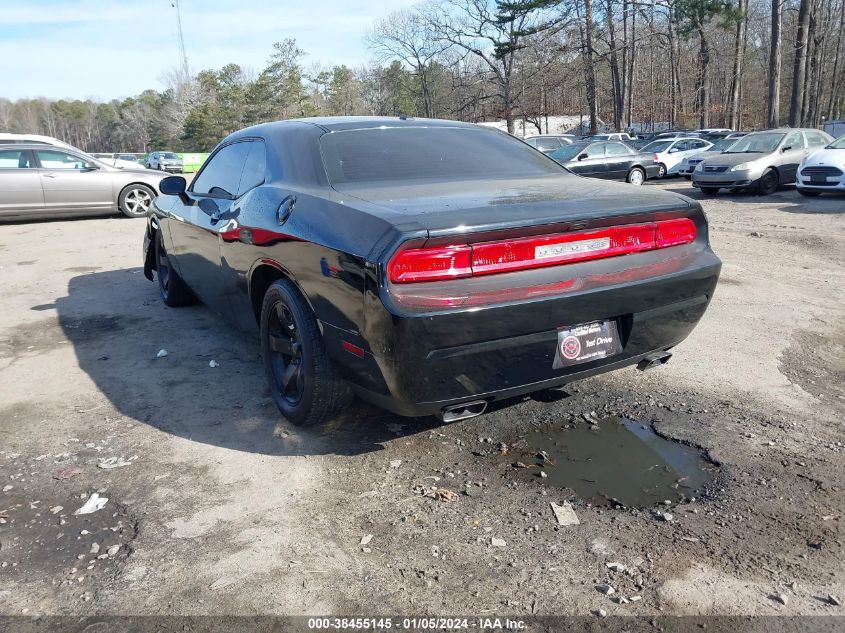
x=303, y=382
x=661, y=171
x=135, y=200
x=768, y=182
x=174, y=292
x=636, y=176
x=709, y=191
x=809, y=193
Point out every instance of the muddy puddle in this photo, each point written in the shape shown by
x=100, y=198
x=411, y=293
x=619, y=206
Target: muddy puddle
x=614, y=460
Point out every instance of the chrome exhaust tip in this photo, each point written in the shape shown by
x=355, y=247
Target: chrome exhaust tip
x=654, y=360
x=463, y=411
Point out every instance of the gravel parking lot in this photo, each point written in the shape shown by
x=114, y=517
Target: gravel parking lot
x=217, y=505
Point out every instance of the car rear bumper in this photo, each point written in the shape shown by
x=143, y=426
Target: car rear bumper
x=420, y=364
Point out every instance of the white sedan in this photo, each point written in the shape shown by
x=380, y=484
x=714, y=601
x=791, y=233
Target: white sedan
x=668, y=153
x=823, y=170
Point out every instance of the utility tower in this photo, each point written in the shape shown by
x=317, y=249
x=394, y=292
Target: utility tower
x=186, y=73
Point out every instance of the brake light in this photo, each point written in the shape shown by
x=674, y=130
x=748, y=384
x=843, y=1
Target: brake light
x=674, y=232
x=656, y=158
x=486, y=258
x=430, y=264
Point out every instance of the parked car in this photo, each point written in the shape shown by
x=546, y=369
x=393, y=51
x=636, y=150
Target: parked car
x=39, y=181
x=429, y=266
x=611, y=160
x=823, y=171
x=612, y=136
x=761, y=160
x=123, y=161
x=8, y=138
x=688, y=164
x=165, y=161
x=669, y=152
x=547, y=143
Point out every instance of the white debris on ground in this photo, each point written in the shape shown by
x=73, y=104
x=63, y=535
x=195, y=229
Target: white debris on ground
x=95, y=502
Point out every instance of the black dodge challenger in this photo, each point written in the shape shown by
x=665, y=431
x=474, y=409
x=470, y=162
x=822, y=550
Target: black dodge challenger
x=430, y=267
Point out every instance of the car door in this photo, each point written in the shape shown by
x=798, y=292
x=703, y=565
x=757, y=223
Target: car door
x=675, y=154
x=591, y=162
x=619, y=158
x=197, y=218
x=20, y=183
x=71, y=182
x=793, y=149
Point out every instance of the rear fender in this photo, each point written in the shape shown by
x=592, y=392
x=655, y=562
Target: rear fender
x=149, y=248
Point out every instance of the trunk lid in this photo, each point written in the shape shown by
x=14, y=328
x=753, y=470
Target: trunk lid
x=481, y=206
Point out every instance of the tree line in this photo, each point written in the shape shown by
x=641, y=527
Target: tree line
x=620, y=64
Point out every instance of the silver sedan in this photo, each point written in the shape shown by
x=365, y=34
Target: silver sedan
x=37, y=181
x=761, y=161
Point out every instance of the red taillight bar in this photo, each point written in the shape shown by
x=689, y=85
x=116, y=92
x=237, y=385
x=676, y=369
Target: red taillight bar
x=464, y=260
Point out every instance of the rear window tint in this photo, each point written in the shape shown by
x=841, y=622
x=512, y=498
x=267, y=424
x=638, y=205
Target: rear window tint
x=419, y=153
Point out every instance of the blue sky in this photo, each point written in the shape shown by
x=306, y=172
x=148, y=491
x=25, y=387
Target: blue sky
x=106, y=49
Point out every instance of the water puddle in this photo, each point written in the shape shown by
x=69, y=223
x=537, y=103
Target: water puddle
x=615, y=461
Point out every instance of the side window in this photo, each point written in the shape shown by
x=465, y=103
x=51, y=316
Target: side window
x=15, y=159
x=548, y=144
x=617, y=149
x=53, y=159
x=595, y=151
x=222, y=174
x=680, y=146
x=255, y=168
x=794, y=140
x=814, y=139
x=697, y=144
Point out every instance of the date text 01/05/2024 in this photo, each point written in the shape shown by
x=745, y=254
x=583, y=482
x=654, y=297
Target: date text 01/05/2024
x=417, y=623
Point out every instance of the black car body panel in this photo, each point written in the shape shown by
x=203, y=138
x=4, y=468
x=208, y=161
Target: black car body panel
x=611, y=160
x=429, y=345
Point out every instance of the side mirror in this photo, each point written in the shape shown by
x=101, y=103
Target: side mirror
x=582, y=156
x=172, y=185
x=89, y=167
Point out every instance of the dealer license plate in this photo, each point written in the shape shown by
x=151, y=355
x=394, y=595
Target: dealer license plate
x=587, y=342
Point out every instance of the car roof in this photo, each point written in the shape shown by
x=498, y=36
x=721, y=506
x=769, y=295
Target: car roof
x=340, y=123
x=43, y=146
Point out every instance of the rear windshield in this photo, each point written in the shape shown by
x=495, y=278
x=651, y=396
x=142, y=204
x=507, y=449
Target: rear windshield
x=428, y=153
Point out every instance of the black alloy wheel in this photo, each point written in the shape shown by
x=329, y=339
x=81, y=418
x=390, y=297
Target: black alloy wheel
x=303, y=381
x=174, y=292
x=285, y=353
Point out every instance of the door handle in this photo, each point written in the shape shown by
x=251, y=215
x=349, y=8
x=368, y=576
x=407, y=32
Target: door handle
x=49, y=175
x=285, y=209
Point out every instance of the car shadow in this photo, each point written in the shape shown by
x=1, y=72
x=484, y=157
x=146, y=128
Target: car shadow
x=152, y=363
x=787, y=196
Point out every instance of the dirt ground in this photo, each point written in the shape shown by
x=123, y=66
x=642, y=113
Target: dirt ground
x=224, y=508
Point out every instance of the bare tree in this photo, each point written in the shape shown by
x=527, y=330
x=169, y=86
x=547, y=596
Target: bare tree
x=736, y=75
x=775, y=63
x=407, y=35
x=799, y=68
x=585, y=26
x=493, y=32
